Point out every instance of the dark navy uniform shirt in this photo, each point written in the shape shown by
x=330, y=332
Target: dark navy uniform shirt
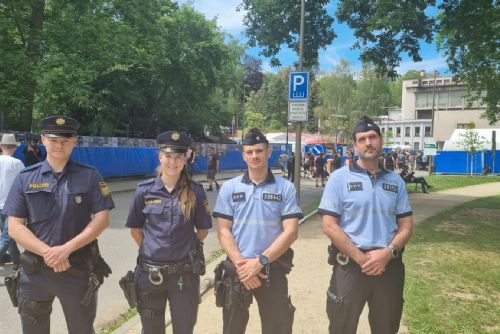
x=58, y=206
x=167, y=236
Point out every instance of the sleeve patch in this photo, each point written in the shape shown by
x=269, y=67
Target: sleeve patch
x=105, y=191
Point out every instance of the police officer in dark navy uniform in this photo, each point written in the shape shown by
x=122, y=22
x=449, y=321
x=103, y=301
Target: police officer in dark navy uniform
x=169, y=218
x=368, y=218
x=257, y=222
x=56, y=210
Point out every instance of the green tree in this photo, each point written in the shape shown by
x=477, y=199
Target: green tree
x=396, y=87
x=472, y=142
x=469, y=34
x=335, y=98
x=272, y=24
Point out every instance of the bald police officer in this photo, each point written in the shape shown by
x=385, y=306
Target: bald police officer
x=56, y=210
x=168, y=219
x=367, y=216
x=257, y=222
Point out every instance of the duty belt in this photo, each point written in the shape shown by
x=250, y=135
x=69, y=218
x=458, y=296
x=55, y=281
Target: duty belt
x=156, y=271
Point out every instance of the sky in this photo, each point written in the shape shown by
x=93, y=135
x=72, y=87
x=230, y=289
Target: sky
x=231, y=21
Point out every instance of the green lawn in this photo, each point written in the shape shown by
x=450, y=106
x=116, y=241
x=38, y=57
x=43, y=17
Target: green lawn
x=453, y=271
x=443, y=182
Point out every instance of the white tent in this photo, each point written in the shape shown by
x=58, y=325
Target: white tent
x=452, y=144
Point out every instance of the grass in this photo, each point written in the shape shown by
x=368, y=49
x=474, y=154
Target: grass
x=453, y=271
x=114, y=325
x=443, y=182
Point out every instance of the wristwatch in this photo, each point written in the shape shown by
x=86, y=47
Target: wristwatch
x=395, y=252
x=264, y=260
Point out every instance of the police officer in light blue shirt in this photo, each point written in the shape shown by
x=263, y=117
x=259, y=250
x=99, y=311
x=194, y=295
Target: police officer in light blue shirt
x=56, y=210
x=168, y=219
x=367, y=216
x=257, y=222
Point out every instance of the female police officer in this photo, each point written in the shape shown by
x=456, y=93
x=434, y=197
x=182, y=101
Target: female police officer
x=169, y=218
x=50, y=208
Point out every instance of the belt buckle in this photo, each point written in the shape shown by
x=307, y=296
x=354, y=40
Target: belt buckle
x=342, y=259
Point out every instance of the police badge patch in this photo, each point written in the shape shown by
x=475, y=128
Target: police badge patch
x=78, y=199
x=105, y=191
x=205, y=204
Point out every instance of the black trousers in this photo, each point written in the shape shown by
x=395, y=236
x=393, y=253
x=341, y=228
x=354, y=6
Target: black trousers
x=37, y=292
x=275, y=308
x=183, y=302
x=350, y=289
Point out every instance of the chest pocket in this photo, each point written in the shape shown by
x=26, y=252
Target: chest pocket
x=40, y=204
x=153, y=209
x=78, y=198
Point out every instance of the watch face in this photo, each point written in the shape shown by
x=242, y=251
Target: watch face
x=395, y=252
x=263, y=260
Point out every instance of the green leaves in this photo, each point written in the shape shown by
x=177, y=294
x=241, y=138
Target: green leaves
x=469, y=33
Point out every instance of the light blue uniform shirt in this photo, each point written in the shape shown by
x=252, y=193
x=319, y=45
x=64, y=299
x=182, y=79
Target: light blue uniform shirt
x=367, y=205
x=256, y=210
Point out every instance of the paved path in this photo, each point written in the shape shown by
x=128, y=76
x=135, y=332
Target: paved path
x=310, y=277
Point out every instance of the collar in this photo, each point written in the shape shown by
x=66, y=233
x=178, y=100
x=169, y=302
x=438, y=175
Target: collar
x=45, y=168
x=354, y=167
x=158, y=185
x=269, y=178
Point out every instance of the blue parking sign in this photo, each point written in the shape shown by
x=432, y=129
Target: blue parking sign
x=298, y=86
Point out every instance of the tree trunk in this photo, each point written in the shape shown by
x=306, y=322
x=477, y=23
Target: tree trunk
x=34, y=54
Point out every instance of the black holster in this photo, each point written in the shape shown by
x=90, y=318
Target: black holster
x=284, y=262
x=12, y=285
x=30, y=262
x=89, y=260
x=197, y=258
x=230, y=292
x=331, y=255
x=128, y=286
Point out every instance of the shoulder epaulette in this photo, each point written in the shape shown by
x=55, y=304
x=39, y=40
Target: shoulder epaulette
x=27, y=169
x=196, y=183
x=81, y=164
x=146, y=182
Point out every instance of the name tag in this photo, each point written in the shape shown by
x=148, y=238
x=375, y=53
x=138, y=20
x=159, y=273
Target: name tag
x=239, y=197
x=355, y=186
x=390, y=187
x=272, y=197
x=38, y=185
x=152, y=201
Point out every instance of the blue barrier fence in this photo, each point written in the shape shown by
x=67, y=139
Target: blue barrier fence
x=130, y=161
x=459, y=162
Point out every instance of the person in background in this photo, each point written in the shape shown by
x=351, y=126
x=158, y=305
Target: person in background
x=319, y=167
x=32, y=153
x=213, y=166
x=9, y=168
x=169, y=219
x=290, y=166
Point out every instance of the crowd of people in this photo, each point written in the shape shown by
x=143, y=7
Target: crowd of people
x=56, y=209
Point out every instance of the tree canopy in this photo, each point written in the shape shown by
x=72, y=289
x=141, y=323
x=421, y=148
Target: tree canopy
x=468, y=32
x=120, y=67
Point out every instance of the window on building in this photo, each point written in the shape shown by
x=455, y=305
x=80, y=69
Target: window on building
x=391, y=130
x=424, y=114
x=427, y=132
x=463, y=125
x=398, y=131
x=407, y=131
x=456, y=100
x=417, y=131
x=442, y=100
x=407, y=143
x=416, y=146
x=383, y=130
